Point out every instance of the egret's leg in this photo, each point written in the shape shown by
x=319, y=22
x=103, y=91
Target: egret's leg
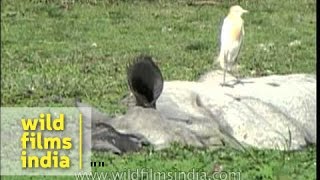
x=225, y=69
x=238, y=78
x=224, y=79
x=236, y=74
x=224, y=76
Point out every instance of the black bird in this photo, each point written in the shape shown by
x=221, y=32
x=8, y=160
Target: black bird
x=145, y=81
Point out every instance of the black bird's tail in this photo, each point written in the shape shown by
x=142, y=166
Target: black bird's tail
x=145, y=81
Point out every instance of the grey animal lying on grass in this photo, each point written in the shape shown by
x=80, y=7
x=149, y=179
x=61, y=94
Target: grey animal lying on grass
x=274, y=112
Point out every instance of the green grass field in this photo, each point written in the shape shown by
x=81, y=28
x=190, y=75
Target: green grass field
x=50, y=55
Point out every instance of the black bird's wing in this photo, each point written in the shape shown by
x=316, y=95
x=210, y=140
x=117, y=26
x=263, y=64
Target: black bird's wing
x=145, y=81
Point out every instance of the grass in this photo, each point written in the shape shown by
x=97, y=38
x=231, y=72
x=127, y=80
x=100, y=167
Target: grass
x=49, y=55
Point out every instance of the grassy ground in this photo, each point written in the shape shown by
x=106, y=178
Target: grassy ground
x=50, y=55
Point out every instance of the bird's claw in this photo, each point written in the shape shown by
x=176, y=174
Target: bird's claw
x=238, y=81
x=226, y=85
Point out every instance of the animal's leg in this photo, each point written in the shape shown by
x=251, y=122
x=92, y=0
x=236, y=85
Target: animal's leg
x=236, y=74
x=226, y=68
x=224, y=78
x=238, y=78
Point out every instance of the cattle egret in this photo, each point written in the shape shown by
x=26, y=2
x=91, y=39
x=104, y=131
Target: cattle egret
x=232, y=33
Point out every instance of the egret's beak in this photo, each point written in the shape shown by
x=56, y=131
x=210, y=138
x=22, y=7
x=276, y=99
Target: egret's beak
x=245, y=11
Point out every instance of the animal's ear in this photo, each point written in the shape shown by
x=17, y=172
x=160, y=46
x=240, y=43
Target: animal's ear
x=91, y=113
x=145, y=80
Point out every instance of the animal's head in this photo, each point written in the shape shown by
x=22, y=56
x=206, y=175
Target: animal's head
x=237, y=10
x=145, y=81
